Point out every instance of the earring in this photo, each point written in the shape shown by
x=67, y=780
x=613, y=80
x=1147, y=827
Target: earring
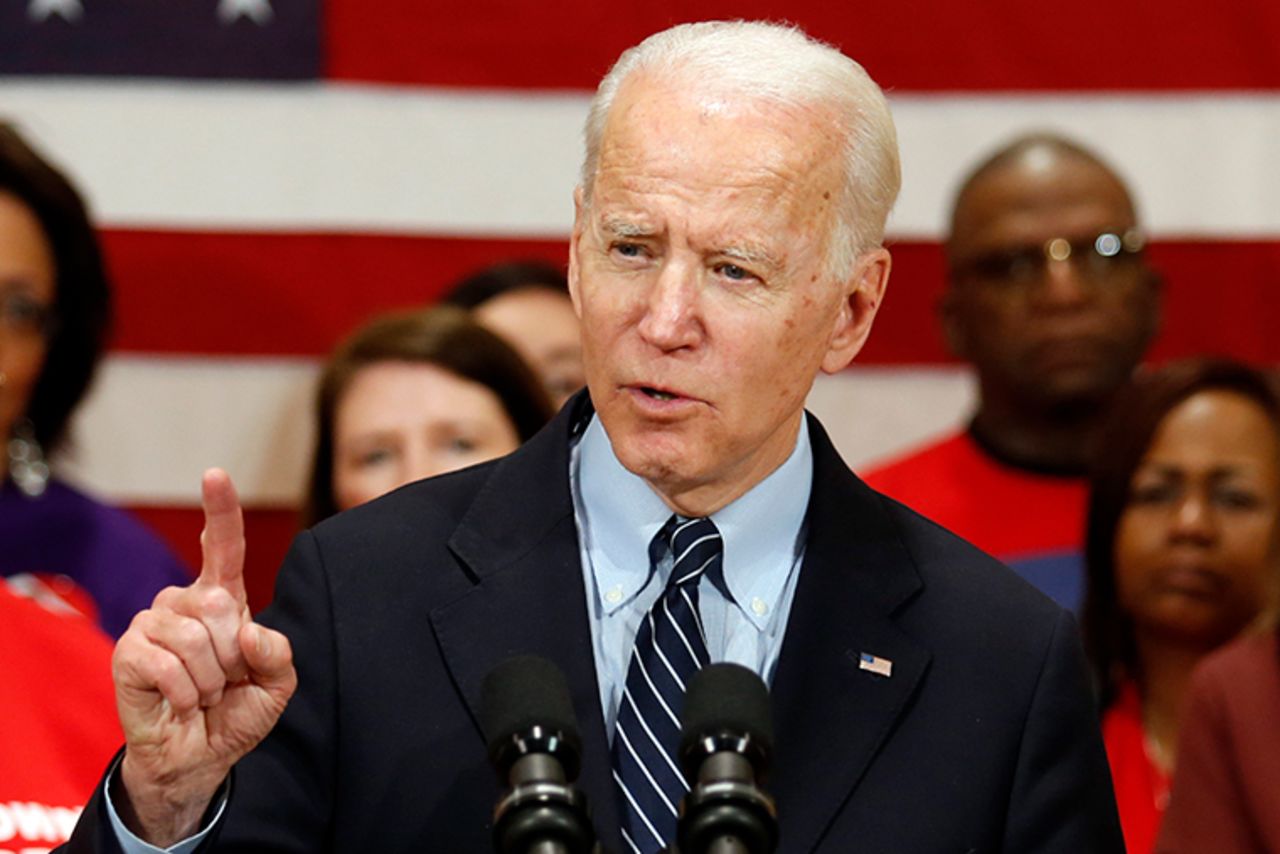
x=27, y=467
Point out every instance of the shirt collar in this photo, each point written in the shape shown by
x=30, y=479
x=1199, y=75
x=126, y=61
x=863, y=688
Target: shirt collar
x=761, y=530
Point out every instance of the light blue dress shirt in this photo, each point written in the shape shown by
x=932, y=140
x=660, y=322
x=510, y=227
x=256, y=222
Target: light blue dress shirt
x=618, y=515
x=131, y=844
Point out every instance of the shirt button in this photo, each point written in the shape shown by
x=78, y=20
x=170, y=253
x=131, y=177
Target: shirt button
x=614, y=596
x=759, y=607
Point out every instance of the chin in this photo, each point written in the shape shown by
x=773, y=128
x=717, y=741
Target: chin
x=1072, y=401
x=656, y=459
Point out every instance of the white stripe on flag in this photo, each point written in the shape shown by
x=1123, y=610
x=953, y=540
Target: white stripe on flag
x=361, y=158
x=153, y=423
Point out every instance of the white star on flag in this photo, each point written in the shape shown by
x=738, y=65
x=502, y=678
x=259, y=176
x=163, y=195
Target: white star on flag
x=258, y=11
x=67, y=10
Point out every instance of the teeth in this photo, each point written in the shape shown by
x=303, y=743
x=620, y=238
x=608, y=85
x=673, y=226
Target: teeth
x=659, y=395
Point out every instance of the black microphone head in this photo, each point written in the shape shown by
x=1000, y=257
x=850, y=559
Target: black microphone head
x=726, y=707
x=525, y=707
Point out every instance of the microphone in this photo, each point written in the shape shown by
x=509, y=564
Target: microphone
x=725, y=747
x=527, y=716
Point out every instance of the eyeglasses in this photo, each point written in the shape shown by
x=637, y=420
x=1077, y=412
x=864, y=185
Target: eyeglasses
x=1096, y=260
x=22, y=316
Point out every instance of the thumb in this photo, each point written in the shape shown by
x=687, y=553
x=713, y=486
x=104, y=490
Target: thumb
x=269, y=657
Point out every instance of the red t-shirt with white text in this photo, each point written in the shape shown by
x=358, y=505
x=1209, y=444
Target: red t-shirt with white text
x=59, y=726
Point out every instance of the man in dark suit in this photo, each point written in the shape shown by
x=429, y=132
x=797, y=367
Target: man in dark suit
x=726, y=248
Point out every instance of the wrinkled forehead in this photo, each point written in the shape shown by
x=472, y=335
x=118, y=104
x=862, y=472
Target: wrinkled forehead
x=666, y=125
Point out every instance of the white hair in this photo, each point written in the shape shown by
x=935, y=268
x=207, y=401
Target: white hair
x=779, y=63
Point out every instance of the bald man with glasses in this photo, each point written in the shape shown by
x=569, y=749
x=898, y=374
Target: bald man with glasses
x=1051, y=299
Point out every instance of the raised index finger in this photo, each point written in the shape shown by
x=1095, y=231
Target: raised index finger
x=222, y=540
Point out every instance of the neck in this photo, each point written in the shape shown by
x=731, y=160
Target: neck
x=1162, y=687
x=1055, y=442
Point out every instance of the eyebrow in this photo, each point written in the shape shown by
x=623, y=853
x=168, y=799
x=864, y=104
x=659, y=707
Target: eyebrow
x=1217, y=472
x=619, y=227
x=751, y=255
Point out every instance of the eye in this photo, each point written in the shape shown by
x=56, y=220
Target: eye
x=1236, y=498
x=21, y=313
x=374, y=457
x=733, y=272
x=462, y=445
x=628, y=250
x=1010, y=266
x=1153, y=494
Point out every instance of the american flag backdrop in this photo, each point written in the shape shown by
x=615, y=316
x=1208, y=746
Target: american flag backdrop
x=268, y=173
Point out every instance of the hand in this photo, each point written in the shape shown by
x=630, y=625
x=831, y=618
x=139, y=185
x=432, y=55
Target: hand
x=198, y=683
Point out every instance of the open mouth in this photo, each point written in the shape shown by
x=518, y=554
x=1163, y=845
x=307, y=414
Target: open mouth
x=658, y=394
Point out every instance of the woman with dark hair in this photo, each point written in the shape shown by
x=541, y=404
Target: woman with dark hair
x=412, y=395
x=1181, y=555
x=527, y=303
x=55, y=307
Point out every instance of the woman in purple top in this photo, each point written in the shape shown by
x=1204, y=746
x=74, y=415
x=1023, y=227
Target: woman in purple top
x=54, y=311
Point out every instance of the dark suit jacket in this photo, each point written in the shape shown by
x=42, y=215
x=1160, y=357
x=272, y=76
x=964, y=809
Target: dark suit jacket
x=984, y=737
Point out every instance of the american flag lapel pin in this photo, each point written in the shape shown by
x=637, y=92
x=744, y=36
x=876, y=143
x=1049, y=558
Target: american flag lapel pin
x=875, y=664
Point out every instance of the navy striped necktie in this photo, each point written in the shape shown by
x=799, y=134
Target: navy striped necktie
x=670, y=647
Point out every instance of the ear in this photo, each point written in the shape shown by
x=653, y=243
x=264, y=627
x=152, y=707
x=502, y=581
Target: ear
x=575, y=240
x=953, y=326
x=862, y=296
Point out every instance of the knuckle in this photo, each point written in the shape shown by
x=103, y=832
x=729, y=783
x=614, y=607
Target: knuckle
x=134, y=647
x=139, y=625
x=168, y=597
x=216, y=602
x=190, y=637
x=123, y=656
x=164, y=667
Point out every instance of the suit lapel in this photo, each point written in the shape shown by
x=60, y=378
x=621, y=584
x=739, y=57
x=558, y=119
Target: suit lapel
x=520, y=541
x=830, y=713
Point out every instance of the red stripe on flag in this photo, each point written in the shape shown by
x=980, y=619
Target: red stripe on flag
x=291, y=294
x=280, y=294
x=268, y=534
x=940, y=46
x=1218, y=298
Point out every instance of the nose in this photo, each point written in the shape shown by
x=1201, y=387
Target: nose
x=1193, y=519
x=422, y=463
x=1064, y=284
x=670, y=320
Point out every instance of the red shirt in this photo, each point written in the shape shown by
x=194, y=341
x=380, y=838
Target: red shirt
x=1032, y=521
x=59, y=725
x=1142, y=789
